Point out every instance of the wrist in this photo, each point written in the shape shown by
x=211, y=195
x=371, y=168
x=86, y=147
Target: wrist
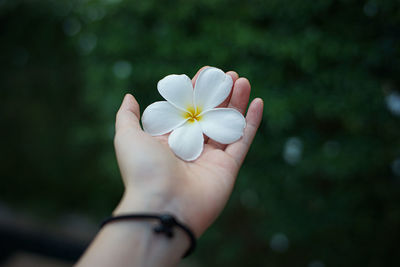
x=136, y=203
x=133, y=201
x=147, y=201
x=134, y=243
x=166, y=225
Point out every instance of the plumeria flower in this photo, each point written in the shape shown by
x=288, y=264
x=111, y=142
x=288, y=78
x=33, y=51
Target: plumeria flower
x=189, y=113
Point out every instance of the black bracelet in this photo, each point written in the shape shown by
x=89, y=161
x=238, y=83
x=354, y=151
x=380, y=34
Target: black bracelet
x=167, y=222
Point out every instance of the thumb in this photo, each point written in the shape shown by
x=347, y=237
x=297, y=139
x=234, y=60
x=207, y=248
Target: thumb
x=128, y=114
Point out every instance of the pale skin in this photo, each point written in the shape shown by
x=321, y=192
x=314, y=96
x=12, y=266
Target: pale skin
x=156, y=181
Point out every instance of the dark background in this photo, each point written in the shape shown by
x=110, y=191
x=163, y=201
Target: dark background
x=321, y=183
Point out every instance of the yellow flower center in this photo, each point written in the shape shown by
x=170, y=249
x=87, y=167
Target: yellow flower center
x=193, y=114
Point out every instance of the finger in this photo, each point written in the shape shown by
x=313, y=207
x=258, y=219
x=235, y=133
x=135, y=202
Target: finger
x=239, y=100
x=128, y=114
x=239, y=149
x=240, y=95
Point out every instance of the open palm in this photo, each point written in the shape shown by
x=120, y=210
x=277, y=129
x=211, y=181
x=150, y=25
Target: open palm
x=158, y=181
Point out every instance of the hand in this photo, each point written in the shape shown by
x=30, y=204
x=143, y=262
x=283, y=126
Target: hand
x=158, y=181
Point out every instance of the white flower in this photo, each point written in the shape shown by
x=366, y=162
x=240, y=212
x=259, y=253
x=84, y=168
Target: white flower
x=189, y=112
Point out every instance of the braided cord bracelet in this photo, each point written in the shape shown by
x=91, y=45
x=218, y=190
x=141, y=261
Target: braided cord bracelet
x=165, y=226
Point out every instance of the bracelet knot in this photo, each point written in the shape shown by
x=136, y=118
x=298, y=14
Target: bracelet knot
x=166, y=224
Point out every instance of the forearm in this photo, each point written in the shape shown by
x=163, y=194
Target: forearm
x=134, y=243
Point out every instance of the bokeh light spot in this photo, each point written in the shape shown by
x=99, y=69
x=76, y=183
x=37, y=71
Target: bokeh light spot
x=393, y=103
x=71, y=26
x=293, y=150
x=396, y=167
x=316, y=263
x=279, y=242
x=87, y=43
x=122, y=69
x=95, y=13
x=370, y=9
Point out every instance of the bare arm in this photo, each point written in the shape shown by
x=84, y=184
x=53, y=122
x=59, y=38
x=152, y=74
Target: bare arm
x=157, y=181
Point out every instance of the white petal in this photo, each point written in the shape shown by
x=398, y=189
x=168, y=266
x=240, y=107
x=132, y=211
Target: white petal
x=177, y=89
x=187, y=141
x=212, y=88
x=161, y=117
x=224, y=125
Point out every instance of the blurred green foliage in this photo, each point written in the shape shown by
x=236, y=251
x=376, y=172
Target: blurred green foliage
x=320, y=186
